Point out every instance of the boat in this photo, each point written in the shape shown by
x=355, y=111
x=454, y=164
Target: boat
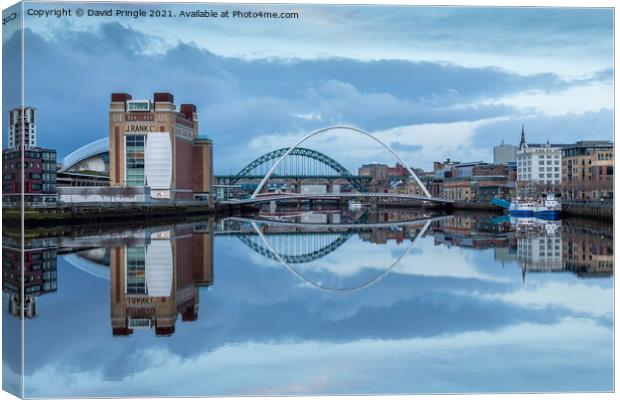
x=522, y=207
x=503, y=203
x=549, y=209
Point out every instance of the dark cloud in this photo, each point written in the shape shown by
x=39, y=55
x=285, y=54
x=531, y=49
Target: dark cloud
x=398, y=146
x=71, y=77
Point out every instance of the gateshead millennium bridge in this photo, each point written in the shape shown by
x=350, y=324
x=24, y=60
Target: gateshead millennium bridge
x=296, y=166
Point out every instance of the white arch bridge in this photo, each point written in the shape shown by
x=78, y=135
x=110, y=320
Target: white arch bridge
x=299, y=163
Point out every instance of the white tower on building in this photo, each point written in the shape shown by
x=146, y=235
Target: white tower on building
x=22, y=127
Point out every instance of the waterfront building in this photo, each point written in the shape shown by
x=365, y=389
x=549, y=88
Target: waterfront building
x=39, y=168
x=152, y=144
x=407, y=185
x=87, y=166
x=22, y=127
x=379, y=174
x=155, y=279
x=539, y=164
x=588, y=170
x=93, y=157
x=441, y=171
x=478, y=181
x=505, y=154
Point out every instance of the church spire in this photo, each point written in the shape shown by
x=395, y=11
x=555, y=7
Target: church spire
x=522, y=142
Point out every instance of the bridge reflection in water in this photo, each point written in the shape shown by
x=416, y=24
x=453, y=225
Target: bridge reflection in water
x=297, y=242
x=155, y=272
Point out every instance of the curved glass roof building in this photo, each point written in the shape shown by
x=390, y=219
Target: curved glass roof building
x=92, y=156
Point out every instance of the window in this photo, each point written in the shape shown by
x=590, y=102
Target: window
x=134, y=156
x=49, y=178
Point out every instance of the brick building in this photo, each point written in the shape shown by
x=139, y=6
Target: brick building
x=152, y=144
x=478, y=181
x=39, y=168
x=588, y=170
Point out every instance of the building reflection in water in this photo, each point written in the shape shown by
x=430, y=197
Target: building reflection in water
x=40, y=275
x=155, y=273
x=155, y=280
x=536, y=245
x=588, y=254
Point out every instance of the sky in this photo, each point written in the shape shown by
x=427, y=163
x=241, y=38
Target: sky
x=431, y=82
x=445, y=319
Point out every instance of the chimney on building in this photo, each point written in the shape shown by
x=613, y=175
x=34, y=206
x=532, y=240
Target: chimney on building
x=163, y=98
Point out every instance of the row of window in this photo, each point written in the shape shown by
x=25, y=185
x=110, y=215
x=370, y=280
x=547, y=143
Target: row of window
x=134, y=158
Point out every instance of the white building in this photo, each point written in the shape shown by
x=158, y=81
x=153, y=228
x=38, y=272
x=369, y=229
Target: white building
x=504, y=153
x=539, y=163
x=22, y=127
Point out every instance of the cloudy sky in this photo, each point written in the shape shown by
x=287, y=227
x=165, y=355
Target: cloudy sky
x=431, y=82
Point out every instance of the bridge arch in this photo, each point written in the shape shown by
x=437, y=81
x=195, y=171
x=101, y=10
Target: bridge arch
x=310, y=256
x=320, y=286
x=331, y=128
x=324, y=159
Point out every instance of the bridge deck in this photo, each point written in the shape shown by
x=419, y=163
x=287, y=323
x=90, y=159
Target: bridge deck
x=303, y=196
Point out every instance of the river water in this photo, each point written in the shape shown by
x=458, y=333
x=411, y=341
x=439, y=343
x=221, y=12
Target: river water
x=294, y=302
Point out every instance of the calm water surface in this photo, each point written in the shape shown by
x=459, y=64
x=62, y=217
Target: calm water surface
x=316, y=302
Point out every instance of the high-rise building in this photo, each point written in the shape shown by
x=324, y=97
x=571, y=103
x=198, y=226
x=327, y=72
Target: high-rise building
x=539, y=163
x=504, y=153
x=22, y=127
x=37, y=164
x=152, y=144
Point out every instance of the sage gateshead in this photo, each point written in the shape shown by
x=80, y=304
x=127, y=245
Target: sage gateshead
x=152, y=144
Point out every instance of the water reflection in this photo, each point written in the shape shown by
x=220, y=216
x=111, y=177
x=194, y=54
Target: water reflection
x=155, y=273
x=156, y=277
x=313, y=282
x=39, y=273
